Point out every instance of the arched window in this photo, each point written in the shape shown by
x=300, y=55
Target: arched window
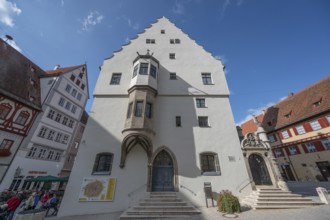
x=4, y=110
x=209, y=163
x=22, y=118
x=103, y=164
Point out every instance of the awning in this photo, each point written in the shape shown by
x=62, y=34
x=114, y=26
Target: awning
x=48, y=178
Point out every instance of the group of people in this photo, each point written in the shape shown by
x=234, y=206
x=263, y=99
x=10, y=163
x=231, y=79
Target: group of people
x=36, y=200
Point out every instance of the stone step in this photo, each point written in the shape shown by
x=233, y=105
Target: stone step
x=162, y=200
x=162, y=203
x=284, y=203
x=162, y=212
x=163, y=196
x=281, y=207
x=283, y=199
x=163, y=207
x=279, y=195
x=154, y=217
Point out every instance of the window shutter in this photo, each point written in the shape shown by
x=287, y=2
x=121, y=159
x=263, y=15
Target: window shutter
x=289, y=132
x=295, y=131
x=216, y=163
x=275, y=136
x=298, y=150
x=318, y=145
x=308, y=127
x=323, y=122
x=304, y=148
x=287, y=151
x=281, y=136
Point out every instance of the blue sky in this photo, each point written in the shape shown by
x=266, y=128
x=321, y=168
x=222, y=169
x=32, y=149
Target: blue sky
x=270, y=47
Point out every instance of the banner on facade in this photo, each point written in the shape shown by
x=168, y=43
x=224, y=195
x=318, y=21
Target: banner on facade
x=97, y=189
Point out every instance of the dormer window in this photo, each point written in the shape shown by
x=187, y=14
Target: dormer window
x=317, y=102
x=287, y=115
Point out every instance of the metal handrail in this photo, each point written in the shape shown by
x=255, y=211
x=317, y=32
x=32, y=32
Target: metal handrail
x=135, y=190
x=182, y=186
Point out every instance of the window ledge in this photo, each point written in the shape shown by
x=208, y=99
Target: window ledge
x=101, y=173
x=211, y=174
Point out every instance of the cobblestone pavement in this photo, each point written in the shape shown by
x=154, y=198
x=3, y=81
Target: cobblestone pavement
x=321, y=212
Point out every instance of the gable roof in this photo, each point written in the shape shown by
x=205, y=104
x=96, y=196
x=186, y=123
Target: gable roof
x=20, y=77
x=312, y=101
x=249, y=126
x=62, y=70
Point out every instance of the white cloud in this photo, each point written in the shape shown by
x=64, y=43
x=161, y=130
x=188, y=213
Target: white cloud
x=255, y=112
x=178, y=8
x=135, y=26
x=7, y=11
x=92, y=19
x=225, y=5
x=222, y=58
x=62, y=3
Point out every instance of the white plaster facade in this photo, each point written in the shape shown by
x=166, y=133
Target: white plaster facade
x=50, y=148
x=105, y=130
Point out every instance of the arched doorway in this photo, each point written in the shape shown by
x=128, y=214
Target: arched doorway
x=162, y=172
x=259, y=170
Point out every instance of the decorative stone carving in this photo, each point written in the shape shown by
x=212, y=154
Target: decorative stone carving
x=252, y=141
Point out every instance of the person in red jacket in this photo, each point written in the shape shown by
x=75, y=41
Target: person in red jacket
x=45, y=197
x=13, y=203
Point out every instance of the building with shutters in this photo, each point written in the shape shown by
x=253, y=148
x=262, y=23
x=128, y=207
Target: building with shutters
x=46, y=149
x=160, y=121
x=298, y=129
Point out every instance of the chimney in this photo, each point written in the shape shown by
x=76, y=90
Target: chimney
x=56, y=67
x=290, y=94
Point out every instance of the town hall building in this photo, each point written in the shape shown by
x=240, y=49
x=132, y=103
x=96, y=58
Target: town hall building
x=160, y=121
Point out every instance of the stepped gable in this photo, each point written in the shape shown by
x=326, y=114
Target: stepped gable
x=150, y=26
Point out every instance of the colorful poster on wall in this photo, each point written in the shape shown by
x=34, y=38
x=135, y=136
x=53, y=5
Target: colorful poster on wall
x=97, y=189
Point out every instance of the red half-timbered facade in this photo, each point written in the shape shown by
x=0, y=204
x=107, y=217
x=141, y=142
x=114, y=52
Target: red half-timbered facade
x=20, y=101
x=298, y=129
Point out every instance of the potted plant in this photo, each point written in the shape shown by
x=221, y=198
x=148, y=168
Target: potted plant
x=228, y=203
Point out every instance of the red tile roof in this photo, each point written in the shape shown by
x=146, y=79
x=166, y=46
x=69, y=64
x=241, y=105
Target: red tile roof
x=61, y=70
x=250, y=126
x=304, y=105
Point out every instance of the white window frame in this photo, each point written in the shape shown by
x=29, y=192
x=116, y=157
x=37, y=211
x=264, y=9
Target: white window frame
x=326, y=143
x=271, y=138
x=300, y=129
x=293, y=150
x=315, y=125
x=310, y=147
x=278, y=152
x=200, y=103
x=207, y=78
x=285, y=134
x=216, y=164
x=202, y=120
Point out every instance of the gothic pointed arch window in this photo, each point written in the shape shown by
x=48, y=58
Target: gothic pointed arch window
x=103, y=164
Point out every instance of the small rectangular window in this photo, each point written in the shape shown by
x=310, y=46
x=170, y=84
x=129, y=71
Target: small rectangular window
x=72, y=77
x=209, y=163
x=148, y=109
x=51, y=114
x=68, y=105
x=153, y=71
x=61, y=102
x=78, y=82
x=58, y=117
x=203, y=121
x=6, y=144
x=172, y=56
x=178, y=121
x=293, y=150
x=129, y=110
x=74, y=92
x=207, y=79
x=171, y=41
x=271, y=138
x=162, y=31
x=103, y=164
x=300, y=129
x=310, y=147
x=285, y=134
x=82, y=86
x=144, y=69
x=138, y=108
x=79, y=96
x=135, y=70
x=278, y=153
x=148, y=41
x=326, y=144
x=315, y=125
x=177, y=41
x=200, y=103
x=68, y=88
x=115, y=79
x=172, y=76
x=74, y=109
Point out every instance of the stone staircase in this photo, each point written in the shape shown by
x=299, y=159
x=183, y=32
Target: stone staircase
x=274, y=198
x=161, y=205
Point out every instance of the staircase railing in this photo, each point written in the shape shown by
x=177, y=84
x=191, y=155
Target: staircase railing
x=192, y=192
x=240, y=187
x=136, y=190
